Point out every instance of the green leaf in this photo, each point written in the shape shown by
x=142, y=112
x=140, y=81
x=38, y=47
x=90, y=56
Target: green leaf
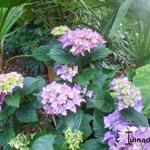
x=33, y=84
x=98, y=124
x=100, y=53
x=142, y=81
x=93, y=144
x=13, y=100
x=73, y=120
x=101, y=98
x=27, y=113
x=61, y=56
x=45, y=142
x=120, y=16
x=7, y=18
x=85, y=77
x=60, y=142
x=41, y=53
x=7, y=111
x=6, y=135
x=11, y=3
x=85, y=125
x=131, y=115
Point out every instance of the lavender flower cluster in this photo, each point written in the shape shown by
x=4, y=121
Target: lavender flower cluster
x=117, y=136
x=81, y=40
x=7, y=83
x=58, y=98
x=126, y=94
x=67, y=72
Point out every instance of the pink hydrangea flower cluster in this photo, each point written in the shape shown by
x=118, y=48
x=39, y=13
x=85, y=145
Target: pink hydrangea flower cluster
x=127, y=95
x=8, y=82
x=82, y=41
x=67, y=72
x=58, y=98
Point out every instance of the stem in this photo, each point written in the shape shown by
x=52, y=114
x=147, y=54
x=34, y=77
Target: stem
x=54, y=120
x=15, y=57
x=80, y=63
x=1, y=56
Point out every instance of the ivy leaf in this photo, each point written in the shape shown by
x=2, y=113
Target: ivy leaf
x=131, y=115
x=45, y=142
x=13, y=100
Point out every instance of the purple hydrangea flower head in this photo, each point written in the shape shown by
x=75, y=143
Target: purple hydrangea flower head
x=127, y=95
x=67, y=72
x=58, y=98
x=117, y=136
x=120, y=141
x=115, y=122
x=81, y=40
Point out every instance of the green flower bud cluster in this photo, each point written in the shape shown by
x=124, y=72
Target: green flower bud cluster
x=73, y=139
x=59, y=30
x=21, y=141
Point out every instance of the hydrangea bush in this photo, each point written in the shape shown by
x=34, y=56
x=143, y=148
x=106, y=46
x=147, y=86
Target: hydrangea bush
x=85, y=108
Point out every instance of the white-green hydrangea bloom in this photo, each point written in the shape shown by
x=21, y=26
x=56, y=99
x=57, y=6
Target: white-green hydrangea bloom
x=59, y=30
x=73, y=139
x=9, y=81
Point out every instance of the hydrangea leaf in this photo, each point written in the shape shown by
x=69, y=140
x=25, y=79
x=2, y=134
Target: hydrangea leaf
x=13, y=100
x=60, y=142
x=100, y=53
x=6, y=112
x=93, y=144
x=85, y=77
x=142, y=80
x=61, y=56
x=27, y=114
x=131, y=115
x=6, y=135
x=45, y=142
x=33, y=84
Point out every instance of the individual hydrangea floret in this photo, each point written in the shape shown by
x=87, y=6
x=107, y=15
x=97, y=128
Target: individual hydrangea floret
x=73, y=139
x=127, y=95
x=58, y=98
x=81, y=41
x=67, y=72
x=60, y=30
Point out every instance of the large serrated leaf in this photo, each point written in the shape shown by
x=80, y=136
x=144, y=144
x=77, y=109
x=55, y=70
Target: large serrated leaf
x=131, y=115
x=45, y=142
x=142, y=81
